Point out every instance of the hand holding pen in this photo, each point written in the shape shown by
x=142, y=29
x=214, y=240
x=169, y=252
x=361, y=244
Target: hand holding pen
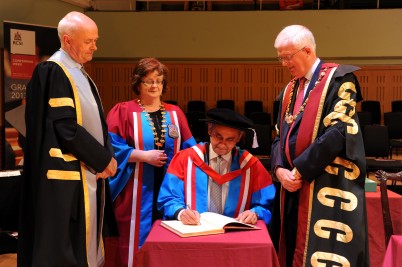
x=189, y=216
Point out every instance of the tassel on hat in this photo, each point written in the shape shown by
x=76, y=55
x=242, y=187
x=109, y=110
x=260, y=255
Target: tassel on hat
x=255, y=142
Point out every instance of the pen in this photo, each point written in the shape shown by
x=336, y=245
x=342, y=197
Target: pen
x=189, y=208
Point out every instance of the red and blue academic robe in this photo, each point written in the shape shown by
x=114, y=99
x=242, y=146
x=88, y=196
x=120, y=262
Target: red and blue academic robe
x=186, y=183
x=132, y=187
x=328, y=213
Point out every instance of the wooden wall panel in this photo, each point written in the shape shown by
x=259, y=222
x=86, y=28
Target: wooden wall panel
x=363, y=78
x=232, y=80
x=395, y=84
x=173, y=84
x=381, y=83
x=238, y=81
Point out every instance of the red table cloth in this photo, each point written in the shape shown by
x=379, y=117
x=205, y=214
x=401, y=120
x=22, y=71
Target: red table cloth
x=240, y=248
x=376, y=226
x=393, y=255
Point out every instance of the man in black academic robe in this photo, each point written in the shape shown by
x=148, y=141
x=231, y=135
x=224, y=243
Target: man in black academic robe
x=318, y=157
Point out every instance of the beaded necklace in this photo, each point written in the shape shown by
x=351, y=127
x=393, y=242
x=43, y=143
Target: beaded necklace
x=289, y=118
x=159, y=140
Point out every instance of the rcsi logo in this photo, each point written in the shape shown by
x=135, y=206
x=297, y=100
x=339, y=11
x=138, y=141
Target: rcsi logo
x=17, y=39
x=22, y=42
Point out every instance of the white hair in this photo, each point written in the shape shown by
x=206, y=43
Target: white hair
x=296, y=35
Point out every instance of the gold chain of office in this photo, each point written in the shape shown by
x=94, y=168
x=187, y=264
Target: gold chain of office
x=289, y=118
x=158, y=140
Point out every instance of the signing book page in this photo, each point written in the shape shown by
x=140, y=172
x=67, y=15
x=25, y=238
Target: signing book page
x=224, y=222
x=210, y=223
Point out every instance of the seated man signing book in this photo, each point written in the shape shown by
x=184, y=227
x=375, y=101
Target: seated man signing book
x=217, y=176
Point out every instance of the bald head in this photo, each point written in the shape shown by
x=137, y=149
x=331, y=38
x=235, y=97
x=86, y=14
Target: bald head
x=73, y=22
x=78, y=35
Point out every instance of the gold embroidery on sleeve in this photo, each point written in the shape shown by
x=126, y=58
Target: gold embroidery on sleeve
x=61, y=102
x=56, y=153
x=63, y=175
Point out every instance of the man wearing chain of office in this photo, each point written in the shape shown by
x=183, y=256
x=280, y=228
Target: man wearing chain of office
x=318, y=157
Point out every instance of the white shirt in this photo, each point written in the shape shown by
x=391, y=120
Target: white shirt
x=225, y=165
x=224, y=168
x=309, y=75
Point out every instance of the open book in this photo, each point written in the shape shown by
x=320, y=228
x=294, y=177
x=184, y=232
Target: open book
x=210, y=223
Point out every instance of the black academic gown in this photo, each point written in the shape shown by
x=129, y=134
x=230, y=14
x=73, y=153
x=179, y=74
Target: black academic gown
x=53, y=218
x=326, y=219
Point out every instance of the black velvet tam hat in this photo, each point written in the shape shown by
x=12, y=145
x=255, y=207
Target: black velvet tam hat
x=229, y=118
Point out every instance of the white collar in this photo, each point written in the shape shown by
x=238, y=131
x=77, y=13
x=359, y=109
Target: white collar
x=309, y=74
x=69, y=60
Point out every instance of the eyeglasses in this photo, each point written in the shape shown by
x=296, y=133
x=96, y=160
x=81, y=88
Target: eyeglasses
x=151, y=83
x=288, y=58
x=221, y=139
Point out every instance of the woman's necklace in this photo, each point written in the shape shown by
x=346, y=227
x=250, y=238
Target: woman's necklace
x=289, y=118
x=159, y=140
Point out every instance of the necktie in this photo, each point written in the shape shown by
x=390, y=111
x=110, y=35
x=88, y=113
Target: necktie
x=296, y=107
x=84, y=72
x=215, y=201
x=300, y=95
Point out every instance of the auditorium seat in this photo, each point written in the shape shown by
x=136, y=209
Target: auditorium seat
x=396, y=106
x=394, y=122
x=196, y=105
x=377, y=149
x=252, y=106
x=10, y=185
x=260, y=117
x=197, y=127
x=173, y=102
x=275, y=112
x=226, y=103
x=364, y=119
x=264, y=139
x=374, y=107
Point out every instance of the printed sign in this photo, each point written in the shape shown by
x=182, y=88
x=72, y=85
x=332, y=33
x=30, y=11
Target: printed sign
x=25, y=45
x=22, y=42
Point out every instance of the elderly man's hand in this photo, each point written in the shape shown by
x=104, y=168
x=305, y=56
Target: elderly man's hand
x=110, y=170
x=247, y=216
x=189, y=216
x=288, y=180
